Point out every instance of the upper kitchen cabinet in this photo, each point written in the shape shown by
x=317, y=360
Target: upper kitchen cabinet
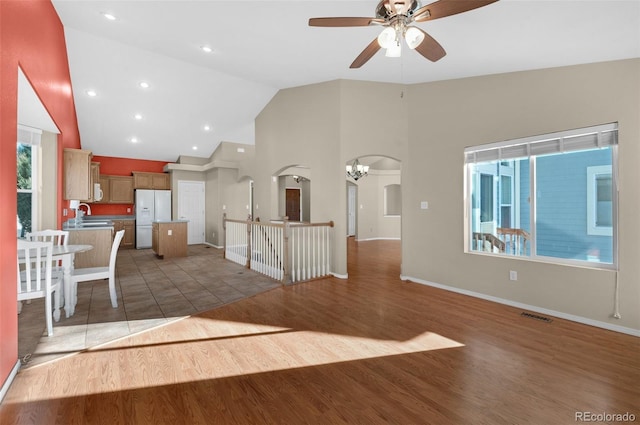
x=156, y=181
x=116, y=189
x=104, y=186
x=120, y=190
x=77, y=174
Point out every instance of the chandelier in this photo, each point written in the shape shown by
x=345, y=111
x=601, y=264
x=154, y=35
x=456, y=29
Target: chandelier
x=357, y=170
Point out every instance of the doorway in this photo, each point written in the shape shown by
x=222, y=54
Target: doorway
x=191, y=206
x=292, y=205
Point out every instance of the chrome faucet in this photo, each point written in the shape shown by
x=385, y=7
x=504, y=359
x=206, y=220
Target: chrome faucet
x=86, y=205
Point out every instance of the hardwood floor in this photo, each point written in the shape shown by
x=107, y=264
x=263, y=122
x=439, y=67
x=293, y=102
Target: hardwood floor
x=368, y=350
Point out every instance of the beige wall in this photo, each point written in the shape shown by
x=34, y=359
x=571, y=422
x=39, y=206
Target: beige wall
x=445, y=117
x=371, y=221
x=322, y=127
x=426, y=127
x=49, y=178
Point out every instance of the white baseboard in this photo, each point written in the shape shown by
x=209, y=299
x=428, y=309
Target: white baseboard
x=9, y=380
x=340, y=276
x=213, y=246
x=559, y=314
x=377, y=239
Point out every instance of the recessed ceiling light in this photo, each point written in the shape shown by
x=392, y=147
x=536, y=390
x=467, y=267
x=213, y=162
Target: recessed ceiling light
x=134, y=140
x=138, y=117
x=207, y=127
x=195, y=148
x=206, y=49
x=144, y=85
x=109, y=16
x=92, y=93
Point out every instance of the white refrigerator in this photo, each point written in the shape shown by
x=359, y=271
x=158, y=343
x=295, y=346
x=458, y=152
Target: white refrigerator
x=151, y=205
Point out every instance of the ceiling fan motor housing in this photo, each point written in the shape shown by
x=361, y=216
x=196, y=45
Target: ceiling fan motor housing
x=387, y=9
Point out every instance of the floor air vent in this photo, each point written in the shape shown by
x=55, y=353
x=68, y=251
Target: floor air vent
x=537, y=317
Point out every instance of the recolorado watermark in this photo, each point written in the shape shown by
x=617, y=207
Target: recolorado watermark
x=604, y=417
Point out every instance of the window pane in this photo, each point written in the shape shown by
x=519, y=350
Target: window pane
x=499, y=212
x=561, y=204
x=24, y=211
x=604, y=195
x=486, y=198
x=24, y=166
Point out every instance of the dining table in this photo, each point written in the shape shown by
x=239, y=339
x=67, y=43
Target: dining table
x=66, y=254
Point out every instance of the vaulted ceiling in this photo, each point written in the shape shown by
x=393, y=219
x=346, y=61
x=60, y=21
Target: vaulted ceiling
x=262, y=46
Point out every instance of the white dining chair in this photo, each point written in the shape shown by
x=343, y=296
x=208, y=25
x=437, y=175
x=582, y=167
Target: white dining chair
x=58, y=237
x=36, y=278
x=97, y=273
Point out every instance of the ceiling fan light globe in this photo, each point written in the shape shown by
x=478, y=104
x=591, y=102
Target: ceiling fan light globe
x=413, y=37
x=387, y=38
x=394, y=51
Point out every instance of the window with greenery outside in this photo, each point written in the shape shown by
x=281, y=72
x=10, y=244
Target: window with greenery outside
x=24, y=186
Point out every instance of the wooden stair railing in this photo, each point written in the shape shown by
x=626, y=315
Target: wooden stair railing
x=480, y=240
x=515, y=240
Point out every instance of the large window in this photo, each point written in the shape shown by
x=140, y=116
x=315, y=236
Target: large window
x=27, y=178
x=550, y=197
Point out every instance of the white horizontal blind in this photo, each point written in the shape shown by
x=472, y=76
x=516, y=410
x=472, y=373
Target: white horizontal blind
x=567, y=141
x=29, y=135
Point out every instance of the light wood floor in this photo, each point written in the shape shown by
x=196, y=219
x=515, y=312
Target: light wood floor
x=368, y=350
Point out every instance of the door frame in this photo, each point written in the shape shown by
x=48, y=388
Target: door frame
x=204, y=204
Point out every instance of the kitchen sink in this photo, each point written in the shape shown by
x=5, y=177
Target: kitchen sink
x=96, y=223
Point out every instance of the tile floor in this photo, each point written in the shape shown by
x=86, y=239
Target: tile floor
x=151, y=292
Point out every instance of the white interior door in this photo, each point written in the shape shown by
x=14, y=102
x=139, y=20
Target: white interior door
x=191, y=204
x=351, y=214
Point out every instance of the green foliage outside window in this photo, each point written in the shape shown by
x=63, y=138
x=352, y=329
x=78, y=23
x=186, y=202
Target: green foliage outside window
x=24, y=186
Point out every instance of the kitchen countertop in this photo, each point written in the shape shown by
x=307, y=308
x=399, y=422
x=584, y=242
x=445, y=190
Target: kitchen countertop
x=171, y=221
x=69, y=225
x=109, y=217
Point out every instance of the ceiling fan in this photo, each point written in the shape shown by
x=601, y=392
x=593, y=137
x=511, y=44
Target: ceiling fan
x=397, y=16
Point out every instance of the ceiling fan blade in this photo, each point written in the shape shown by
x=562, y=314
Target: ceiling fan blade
x=442, y=8
x=366, y=54
x=430, y=48
x=343, y=22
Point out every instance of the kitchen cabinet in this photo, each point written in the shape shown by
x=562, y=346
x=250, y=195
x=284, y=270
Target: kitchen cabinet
x=156, y=181
x=104, y=185
x=94, y=178
x=116, y=189
x=101, y=240
x=129, y=239
x=77, y=174
x=120, y=190
x=169, y=239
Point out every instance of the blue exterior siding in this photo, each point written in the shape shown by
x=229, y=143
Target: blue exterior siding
x=561, y=203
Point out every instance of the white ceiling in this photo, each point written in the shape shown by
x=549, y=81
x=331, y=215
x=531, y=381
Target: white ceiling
x=263, y=46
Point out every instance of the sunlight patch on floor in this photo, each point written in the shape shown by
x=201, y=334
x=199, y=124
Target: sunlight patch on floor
x=213, y=349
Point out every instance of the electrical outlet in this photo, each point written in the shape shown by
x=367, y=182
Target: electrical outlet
x=169, y=232
x=128, y=209
x=65, y=212
x=513, y=275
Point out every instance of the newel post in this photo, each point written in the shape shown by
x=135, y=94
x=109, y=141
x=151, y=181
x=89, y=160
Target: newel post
x=286, y=230
x=224, y=235
x=249, y=249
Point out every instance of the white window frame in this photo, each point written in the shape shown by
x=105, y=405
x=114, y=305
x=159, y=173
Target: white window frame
x=582, y=139
x=31, y=136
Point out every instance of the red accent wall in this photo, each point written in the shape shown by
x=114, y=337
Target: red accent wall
x=122, y=167
x=32, y=37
